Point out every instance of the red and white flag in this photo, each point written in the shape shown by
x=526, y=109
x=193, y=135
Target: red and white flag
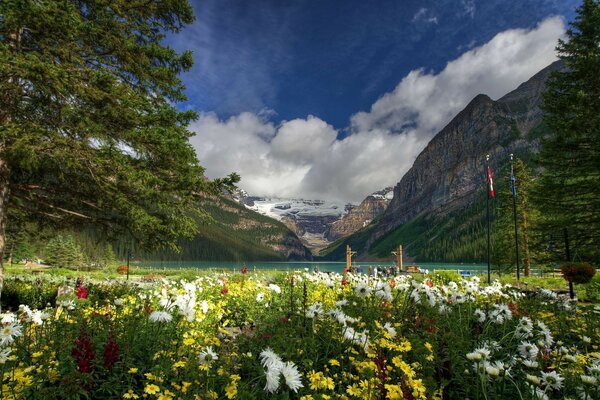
x=490, y=181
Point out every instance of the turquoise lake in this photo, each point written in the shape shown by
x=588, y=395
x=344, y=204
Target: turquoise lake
x=299, y=265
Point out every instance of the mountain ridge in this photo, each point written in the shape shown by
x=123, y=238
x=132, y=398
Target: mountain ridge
x=449, y=175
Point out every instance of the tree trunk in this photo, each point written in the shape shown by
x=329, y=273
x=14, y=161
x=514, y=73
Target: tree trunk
x=4, y=192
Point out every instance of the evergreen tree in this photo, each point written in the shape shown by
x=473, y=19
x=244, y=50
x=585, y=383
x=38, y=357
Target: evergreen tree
x=89, y=134
x=62, y=251
x=570, y=182
x=527, y=217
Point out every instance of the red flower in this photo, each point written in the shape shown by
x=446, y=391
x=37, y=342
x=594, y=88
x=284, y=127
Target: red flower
x=429, y=282
x=514, y=309
x=111, y=352
x=82, y=292
x=83, y=352
x=224, y=291
x=244, y=269
x=344, y=282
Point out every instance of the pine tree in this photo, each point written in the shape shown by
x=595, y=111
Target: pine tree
x=527, y=218
x=89, y=134
x=570, y=182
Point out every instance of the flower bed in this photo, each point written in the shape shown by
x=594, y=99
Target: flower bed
x=307, y=336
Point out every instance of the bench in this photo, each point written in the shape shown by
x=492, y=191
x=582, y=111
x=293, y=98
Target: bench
x=412, y=269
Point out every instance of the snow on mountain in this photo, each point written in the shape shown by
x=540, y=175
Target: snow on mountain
x=279, y=208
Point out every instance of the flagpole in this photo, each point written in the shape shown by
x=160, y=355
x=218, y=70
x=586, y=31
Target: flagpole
x=514, y=194
x=487, y=207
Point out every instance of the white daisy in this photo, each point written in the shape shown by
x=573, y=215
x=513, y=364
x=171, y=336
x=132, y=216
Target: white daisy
x=293, y=379
x=207, y=356
x=362, y=290
x=552, y=379
x=314, y=310
x=160, y=316
x=272, y=375
x=390, y=330
x=528, y=350
x=270, y=359
x=259, y=297
x=4, y=353
x=9, y=332
x=479, y=315
x=274, y=288
x=589, y=380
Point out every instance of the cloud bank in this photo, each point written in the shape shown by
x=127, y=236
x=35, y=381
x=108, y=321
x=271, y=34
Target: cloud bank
x=308, y=158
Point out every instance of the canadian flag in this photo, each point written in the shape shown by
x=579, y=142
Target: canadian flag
x=490, y=181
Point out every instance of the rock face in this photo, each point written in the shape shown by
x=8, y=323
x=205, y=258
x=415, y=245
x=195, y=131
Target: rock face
x=362, y=215
x=451, y=169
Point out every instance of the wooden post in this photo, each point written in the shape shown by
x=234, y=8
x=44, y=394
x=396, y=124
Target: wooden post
x=349, y=254
x=398, y=254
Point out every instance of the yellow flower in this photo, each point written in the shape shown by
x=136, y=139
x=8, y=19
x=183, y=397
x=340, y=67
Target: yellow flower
x=231, y=390
x=178, y=364
x=418, y=389
x=133, y=370
x=37, y=354
x=189, y=341
x=353, y=390
x=306, y=397
x=393, y=392
x=235, y=378
x=151, y=389
x=335, y=362
x=130, y=395
x=166, y=396
x=184, y=386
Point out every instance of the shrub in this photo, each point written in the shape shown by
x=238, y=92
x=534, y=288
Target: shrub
x=592, y=289
x=577, y=272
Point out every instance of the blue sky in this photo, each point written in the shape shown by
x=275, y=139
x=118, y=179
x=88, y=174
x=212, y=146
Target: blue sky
x=260, y=64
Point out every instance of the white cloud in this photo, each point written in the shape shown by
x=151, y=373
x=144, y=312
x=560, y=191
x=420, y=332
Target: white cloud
x=422, y=15
x=304, y=157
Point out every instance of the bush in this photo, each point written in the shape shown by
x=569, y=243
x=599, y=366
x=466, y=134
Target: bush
x=577, y=272
x=592, y=289
x=36, y=293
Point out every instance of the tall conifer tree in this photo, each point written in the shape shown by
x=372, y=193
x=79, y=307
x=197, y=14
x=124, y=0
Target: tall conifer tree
x=570, y=183
x=88, y=129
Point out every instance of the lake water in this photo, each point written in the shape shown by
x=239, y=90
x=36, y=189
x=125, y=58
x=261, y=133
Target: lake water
x=299, y=265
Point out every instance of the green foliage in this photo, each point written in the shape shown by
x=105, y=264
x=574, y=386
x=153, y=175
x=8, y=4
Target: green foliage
x=235, y=234
x=62, y=251
x=592, y=289
x=36, y=293
x=570, y=183
x=89, y=131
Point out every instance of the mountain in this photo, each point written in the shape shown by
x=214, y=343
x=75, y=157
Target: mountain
x=317, y=222
x=437, y=207
x=238, y=234
x=308, y=219
x=360, y=216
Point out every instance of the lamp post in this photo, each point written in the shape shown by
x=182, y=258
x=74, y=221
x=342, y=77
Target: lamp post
x=128, y=257
x=487, y=209
x=514, y=195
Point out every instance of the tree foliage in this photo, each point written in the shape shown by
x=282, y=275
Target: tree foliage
x=570, y=183
x=62, y=251
x=89, y=134
x=528, y=216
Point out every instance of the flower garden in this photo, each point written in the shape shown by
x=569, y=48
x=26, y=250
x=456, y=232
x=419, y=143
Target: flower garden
x=300, y=336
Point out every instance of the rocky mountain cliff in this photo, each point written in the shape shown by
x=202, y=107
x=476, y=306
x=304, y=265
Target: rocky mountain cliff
x=449, y=174
x=360, y=216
